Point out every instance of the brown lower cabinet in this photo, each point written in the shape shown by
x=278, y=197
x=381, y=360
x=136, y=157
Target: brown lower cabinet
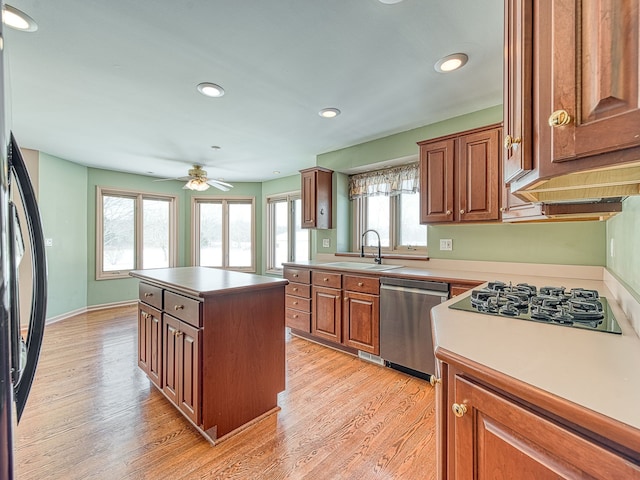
x=486, y=429
x=150, y=342
x=336, y=308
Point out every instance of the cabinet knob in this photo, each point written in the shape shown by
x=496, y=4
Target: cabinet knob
x=178, y=333
x=325, y=279
x=559, y=118
x=502, y=209
x=511, y=142
x=295, y=289
x=295, y=275
x=178, y=307
x=448, y=212
x=459, y=409
x=295, y=302
x=147, y=294
x=360, y=284
x=434, y=381
x=295, y=315
x=461, y=212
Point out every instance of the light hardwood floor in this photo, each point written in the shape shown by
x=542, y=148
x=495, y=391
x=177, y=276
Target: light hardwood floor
x=93, y=414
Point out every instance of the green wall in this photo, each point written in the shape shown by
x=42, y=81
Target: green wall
x=63, y=208
x=624, y=231
x=565, y=243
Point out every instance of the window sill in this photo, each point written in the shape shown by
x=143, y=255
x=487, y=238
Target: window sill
x=390, y=256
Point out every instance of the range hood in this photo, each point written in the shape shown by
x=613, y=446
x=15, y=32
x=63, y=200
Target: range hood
x=610, y=182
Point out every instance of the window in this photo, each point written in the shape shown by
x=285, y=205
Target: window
x=223, y=232
x=287, y=241
x=134, y=231
x=388, y=201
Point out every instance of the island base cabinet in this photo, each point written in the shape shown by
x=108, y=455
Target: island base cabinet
x=181, y=366
x=484, y=433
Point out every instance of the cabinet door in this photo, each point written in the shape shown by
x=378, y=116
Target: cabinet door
x=308, y=187
x=498, y=438
x=518, y=67
x=144, y=335
x=588, y=57
x=155, y=348
x=479, y=185
x=436, y=181
x=327, y=313
x=170, y=356
x=362, y=322
x=189, y=371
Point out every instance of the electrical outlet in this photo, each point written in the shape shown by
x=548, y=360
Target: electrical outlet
x=326, y=243
x=446, y=244
x=48, y=242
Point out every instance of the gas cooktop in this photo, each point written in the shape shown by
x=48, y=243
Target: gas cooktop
x=577, y=307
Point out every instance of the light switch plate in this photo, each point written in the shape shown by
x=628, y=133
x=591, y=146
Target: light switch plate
x=446, y=244
x=48, y=242
x=326, y=243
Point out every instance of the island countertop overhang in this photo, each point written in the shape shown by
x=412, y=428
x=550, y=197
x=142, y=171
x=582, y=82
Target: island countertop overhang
x=203, y=282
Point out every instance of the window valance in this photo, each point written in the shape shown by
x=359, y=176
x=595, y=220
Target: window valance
x=389, y=182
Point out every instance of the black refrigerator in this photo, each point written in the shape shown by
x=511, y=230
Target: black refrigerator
x=19, y=350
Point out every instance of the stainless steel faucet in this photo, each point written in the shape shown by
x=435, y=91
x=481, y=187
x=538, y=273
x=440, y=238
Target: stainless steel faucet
x=377, y=259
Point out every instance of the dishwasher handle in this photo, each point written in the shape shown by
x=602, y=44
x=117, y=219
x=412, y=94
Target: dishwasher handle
x=417, y=291
x=417, y=284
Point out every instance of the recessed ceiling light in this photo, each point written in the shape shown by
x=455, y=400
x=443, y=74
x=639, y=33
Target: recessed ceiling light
x=210, y=89
x=451, y=62
x=329, y=112
x=276, y=172
x=216, y=147
x=18, y=20
x=390, y=2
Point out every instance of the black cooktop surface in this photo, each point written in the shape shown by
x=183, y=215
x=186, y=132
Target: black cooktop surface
x=576, y=308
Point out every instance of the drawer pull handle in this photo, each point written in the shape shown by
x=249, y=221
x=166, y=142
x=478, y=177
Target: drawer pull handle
x=325, y=279
x=178, y=307
x=295, y=303
x=147, y=294
x=295, y=289
x=295, y=275
x=459, y=409
x=360, y=284
x=295, y=315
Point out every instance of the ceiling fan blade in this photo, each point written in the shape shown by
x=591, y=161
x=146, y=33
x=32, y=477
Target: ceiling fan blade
x=220, y=185
x=174, y=178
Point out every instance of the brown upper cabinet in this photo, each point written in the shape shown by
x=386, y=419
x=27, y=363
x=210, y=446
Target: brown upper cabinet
x=460, y=177
x=571, y=99
x=316, y=197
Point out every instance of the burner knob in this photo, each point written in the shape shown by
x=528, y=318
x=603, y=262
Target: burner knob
x=459, y=409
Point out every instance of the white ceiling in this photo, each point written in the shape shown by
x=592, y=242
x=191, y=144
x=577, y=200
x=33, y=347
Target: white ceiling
x=112, y=84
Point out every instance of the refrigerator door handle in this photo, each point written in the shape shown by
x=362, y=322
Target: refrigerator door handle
x=39, y=292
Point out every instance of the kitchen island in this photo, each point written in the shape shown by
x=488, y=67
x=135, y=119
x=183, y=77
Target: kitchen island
x=212, y=341
x=520, y=396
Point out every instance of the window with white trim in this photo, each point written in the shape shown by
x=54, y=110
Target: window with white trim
x=388, y=201
x=224, y=232
x=287, y=241
x=134, y=231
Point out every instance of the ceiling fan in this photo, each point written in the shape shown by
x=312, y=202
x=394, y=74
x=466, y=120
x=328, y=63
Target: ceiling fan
x=197, y=180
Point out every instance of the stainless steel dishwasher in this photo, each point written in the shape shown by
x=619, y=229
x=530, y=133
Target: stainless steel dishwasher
x=405, y=323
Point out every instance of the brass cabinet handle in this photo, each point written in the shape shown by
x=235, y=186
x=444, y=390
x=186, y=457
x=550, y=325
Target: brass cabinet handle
x=461, y=212
x=295, y=315
x=325, y=279
x=178, y=333
x=295, y=289
x=295, y=302
x=434, y=381
x=502, y=209
x=178, y=307
x=559, y=118
x=360, y=284
x=147, y=294
x=459, y=409
x=511, y=142
x=295, y=275
x=448, y=212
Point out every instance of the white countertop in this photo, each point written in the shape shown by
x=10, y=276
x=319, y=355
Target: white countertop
x=597, y=370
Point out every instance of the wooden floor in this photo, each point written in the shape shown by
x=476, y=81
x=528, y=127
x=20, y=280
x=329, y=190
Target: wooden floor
x=92, y=414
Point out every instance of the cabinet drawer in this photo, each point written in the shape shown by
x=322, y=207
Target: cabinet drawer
x=362, y=284
x=298, y=289
x=326, y=279
x=297, y=275
x=298, y=303
x=150, y=295
x=298, y=320
x=184, y=308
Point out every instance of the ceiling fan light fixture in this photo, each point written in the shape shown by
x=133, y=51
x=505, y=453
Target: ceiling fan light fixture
x=451, y=62
x=210, y=89
x=197, y=184
x=18, y=20
x=329, y=112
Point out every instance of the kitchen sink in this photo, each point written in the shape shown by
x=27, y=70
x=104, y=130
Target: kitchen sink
x=361, y=266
